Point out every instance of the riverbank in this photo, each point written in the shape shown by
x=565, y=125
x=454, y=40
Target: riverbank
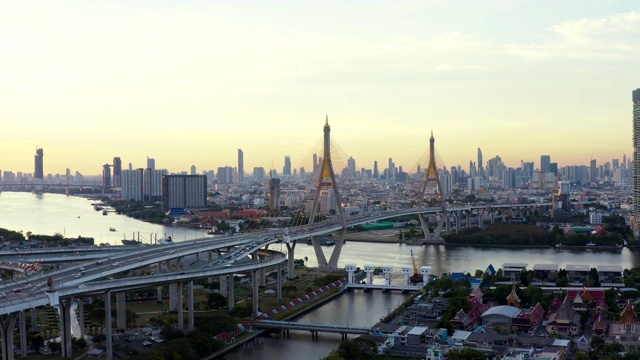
x=259, y=333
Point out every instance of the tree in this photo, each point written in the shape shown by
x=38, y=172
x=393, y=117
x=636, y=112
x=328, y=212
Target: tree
x=465, y=354
x=216, y=301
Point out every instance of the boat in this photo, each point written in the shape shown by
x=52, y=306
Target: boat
x=165, y=241
x=104, y=212
x=590, y=244
x=112, y=229
x=324, y=241
x=130, y=242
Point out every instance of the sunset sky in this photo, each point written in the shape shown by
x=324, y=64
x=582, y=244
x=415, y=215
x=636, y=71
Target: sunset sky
x=190, y=82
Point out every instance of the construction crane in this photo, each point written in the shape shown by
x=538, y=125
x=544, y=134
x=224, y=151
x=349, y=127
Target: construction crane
x=416, y=277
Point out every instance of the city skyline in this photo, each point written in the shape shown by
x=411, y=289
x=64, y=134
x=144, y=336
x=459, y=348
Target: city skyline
x=198, y=81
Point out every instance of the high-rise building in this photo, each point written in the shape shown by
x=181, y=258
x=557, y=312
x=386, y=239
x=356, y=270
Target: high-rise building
x=151, y=163
x=184, y=191
x=636, y=162
x=375, y=170
x=133, y=185
x=106, y=176
x=240, y=166
x=274, y=194
x=152, y=186
x=38, y=173
x=258, y=173
x=225, y=175
x=480, y=166
x=545, y=162
x=286, y=170
x=193, y=170
x=594, y=171
x=117, y=172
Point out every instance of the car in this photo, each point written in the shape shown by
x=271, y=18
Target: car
x=77, y=276
x=16, y=290
x=115, y=263
x=98, y=262
x=82, y=286
x=181, y=273
x=3, y=294
x=81, y=268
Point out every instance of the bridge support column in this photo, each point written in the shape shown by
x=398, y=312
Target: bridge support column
x=7, y=324
x=492, y=217
x=173, y=297
x=34, y=320
x=23, y=333
x=107, y=321
x=291, y=272
x=180, y=308
x=159, y=300
x=504, y=216
x=255, y=279
x=351, y=269
x=65, y=327
x=232, y=301
x=224, y=287
x=121, y=312
x=192, y=325
x=279, y=286
x=81, y=317
x=406, y=273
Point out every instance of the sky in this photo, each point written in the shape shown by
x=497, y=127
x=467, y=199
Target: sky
x=191, y=82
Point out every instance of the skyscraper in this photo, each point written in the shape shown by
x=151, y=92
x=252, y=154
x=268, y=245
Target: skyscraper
x=480, y=167
x=117, y=172
x=184, y=191
x=286, y=170
x=636, y=162
x=38, y=174
x=106, y=176
x=240, y=166
x=151, y=163
x=375, y=170
x=545, y=162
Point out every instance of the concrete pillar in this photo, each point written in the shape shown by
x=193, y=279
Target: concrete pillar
x=387, y=270
x=279, y=286
x=180, y=308
x=173, y=297
x=351, y=269
x=426, y=273
x=34, y=319
x=121, y=312
x=224, y=287
x=7, y=324
x=159, y=300
x=492, y=217
x=291, y=271
x=192, y=326
x=256, y=280
x=406, y=274
x=263, y=278
x=81, y=317
x=23, y=333
x=65, y=327
x=369, y=269
x=232, y=301
x=107, y=321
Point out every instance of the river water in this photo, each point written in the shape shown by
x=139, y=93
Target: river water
x=74, y=216
x=351, y=308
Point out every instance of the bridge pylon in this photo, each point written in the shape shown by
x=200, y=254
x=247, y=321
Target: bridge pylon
x=431, y=188
x=327, y=188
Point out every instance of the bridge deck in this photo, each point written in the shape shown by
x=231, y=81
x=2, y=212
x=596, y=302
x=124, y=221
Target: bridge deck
x=290, y=325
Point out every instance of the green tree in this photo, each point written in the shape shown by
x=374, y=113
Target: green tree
x=465, y=354
x=216, y=301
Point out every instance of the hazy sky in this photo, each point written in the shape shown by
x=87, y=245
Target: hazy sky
x=190, y=82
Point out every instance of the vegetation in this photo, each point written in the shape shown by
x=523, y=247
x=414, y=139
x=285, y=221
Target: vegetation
x=145, y=211
x=355, y=349
x=501, y=234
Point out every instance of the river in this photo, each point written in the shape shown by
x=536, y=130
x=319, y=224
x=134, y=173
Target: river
x=74, y=216
x=352, y=308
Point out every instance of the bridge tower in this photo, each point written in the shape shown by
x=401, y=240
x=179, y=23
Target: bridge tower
x=431, y=186
x=325, y=188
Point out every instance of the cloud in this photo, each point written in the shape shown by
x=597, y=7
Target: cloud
x=612, y=37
